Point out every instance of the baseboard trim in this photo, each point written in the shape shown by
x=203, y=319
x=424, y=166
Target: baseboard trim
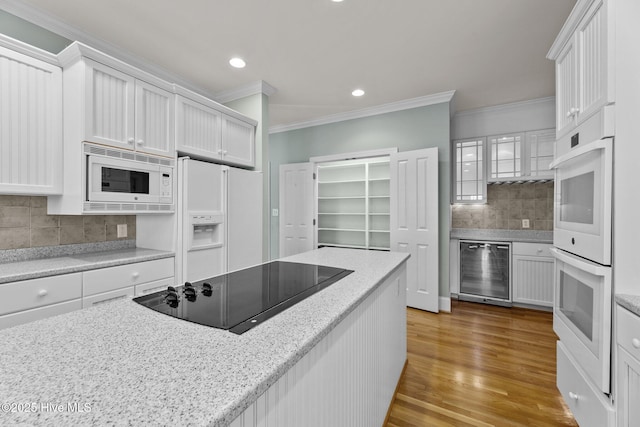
x=395, y=392
x=444, y=304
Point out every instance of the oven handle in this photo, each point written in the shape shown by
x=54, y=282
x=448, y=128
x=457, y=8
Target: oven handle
x=601, y=144
x=587, y=266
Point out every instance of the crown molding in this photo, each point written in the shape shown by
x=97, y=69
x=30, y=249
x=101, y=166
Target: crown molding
x=504, y=107
x=569, y=27
x=38, y=17
x=244, y=91
x=27, y=49
x=391, y=107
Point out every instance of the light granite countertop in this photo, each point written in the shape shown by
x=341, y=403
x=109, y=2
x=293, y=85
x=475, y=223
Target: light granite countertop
x=53, y=264
x=130, y=365
x=630, y=302
x=532, y=236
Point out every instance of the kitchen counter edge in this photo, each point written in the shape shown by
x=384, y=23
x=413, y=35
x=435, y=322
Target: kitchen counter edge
x=499, y=235
x=630, y=302
x=45, y=267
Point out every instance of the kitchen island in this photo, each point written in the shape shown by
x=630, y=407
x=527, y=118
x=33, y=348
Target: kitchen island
x=332, y=359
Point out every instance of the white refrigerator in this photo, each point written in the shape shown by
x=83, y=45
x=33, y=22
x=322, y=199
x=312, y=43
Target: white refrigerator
x=219, y=219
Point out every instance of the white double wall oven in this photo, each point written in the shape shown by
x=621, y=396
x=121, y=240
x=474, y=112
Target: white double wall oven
x=582, y=239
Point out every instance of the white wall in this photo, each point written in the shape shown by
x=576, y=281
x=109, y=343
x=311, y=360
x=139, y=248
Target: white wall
x=626, y=204
x=535, y=114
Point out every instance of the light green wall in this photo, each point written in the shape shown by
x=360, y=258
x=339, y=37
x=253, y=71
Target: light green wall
x=412, y=129
x=34, y=35
x=257, y=107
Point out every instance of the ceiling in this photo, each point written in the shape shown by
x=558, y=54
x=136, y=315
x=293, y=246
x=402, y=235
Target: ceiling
x=315, y=52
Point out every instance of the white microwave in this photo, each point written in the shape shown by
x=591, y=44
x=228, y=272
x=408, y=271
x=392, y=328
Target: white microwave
x=582, y=201
x=123, y=177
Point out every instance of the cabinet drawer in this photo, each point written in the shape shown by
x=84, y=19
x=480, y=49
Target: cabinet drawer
x=27, y=294
x=27, y=316
x=108, y=279
x=628, y=331
x=108, y=296
x=531, y=249
x=587, y=404
x=151, y=287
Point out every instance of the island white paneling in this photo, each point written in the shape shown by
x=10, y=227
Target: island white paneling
x=349, y=377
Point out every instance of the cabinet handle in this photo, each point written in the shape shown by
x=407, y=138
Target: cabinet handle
x=635, y=343
x=573, y=396
x=502, y=247
x=131, y=141
x=42, y=293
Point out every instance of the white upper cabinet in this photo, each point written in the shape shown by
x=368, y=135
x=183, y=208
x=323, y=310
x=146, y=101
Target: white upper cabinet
x=31, y=120
x=523, y=156
x=109, y=102
x=469, y=171
x=208, y=130
x=583, y=56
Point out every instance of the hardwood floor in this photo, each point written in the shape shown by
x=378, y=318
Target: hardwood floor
x=479, y=365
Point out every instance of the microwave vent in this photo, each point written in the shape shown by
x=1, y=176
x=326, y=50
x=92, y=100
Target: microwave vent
x=128, y=155
x=126, y=207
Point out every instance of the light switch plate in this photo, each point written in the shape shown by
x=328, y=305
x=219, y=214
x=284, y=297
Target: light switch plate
x=525, y=223
x=122, y=231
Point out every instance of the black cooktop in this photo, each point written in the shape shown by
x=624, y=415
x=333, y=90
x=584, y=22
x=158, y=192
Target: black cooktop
x=242, y=299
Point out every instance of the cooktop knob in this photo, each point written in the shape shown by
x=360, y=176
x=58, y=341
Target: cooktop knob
x=206, y=289
x=171, y=299
x=189, y=293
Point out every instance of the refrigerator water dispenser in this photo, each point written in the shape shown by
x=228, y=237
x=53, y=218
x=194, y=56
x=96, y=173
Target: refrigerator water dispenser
x=206, y=230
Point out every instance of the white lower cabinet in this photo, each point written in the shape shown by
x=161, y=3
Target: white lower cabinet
x=589, y=406
x=125, y=281
x=532, y=274
x=628, y=369
x=29, y=300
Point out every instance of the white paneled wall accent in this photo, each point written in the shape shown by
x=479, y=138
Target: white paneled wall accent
x=349, y=377
x=31, y=125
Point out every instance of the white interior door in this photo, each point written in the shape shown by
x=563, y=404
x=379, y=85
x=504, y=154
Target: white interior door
x=296, y=208
x=414, y=222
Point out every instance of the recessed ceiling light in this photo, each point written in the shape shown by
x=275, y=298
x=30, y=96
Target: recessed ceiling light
x=237, y=62
x=337, y=1
x=357, y=92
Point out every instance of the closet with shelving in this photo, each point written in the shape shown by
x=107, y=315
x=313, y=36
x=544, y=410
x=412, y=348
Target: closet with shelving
x=353, y=203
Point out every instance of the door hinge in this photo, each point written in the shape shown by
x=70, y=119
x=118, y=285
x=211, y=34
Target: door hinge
x=314, y=221
x=314, y=175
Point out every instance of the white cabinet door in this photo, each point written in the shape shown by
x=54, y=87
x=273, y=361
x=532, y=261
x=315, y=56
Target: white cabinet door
x=592, y=61
x=628, y=389
x=31, y=125
x=414, y=223
x=628, y=369
x=154, y=120
x=533, y=280
x=539, y=151
x=566, y=89
x=238, y=142
x=198, y=129
x=296, y=208
x=109, y=106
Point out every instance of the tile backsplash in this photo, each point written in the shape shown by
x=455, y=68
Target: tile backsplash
x=507, y=205
x=24, y=223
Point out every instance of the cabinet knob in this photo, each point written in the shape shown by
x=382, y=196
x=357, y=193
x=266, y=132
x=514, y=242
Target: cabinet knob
x=43, y=292
x=131, y=140
x=224, y=151
x=635, y=343
x=573, y=396
x=569, y=114
x=140, y=142
x=219, y=151
x=135, y=275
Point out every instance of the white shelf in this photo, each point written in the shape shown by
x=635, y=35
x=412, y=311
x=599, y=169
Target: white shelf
x=354, y=196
